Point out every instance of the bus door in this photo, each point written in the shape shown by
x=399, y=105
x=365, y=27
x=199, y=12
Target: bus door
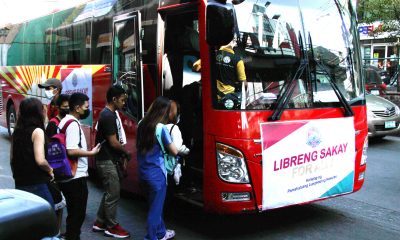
x=127, y=61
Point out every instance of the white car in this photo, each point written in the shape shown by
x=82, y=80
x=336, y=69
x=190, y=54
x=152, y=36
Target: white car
x=383, y=117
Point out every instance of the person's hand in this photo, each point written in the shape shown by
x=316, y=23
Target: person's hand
x=96, y=149
x=184, y=151
x=51, y=175
x=128, y=156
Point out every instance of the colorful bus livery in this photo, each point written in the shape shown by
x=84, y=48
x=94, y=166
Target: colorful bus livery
x=290, y=130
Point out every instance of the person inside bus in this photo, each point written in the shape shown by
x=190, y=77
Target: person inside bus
x=181, y=39
x=230, y=72
x=53, y=88
x=152, y=172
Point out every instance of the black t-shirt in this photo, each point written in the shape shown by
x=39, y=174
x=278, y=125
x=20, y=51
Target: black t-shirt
x=107, y=125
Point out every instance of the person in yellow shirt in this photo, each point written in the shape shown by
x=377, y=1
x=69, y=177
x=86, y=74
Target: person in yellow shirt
x=230, y=70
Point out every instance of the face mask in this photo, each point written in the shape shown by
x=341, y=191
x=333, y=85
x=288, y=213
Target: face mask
x=63, y=112
x=85, y=114
x=49, y=94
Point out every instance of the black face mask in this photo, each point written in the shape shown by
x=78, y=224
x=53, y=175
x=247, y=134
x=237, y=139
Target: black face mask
x=63, y=112
x=85, y=114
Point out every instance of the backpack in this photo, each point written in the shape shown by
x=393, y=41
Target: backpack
x=169, y=160
x=64, y=167
x=55, y=120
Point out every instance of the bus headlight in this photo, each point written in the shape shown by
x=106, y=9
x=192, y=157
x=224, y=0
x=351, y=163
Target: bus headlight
x=231, y=164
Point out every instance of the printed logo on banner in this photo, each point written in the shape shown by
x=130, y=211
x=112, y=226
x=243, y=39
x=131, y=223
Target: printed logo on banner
x=314, y=137
x=78, y=80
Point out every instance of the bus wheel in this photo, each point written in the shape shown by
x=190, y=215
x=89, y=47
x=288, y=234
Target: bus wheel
x=11, y=119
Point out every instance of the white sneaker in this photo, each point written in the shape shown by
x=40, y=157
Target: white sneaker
x=169, y=234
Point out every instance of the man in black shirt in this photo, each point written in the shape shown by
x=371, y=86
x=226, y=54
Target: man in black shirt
x=110, y=133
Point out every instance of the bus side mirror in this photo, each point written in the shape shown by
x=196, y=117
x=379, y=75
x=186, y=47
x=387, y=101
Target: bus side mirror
x=220, y=23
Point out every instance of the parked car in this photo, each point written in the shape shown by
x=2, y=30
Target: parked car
x=374, y=83
x=383, y=117
x=24, y=215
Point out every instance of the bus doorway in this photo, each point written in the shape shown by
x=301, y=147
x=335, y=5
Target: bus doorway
x=181, y=81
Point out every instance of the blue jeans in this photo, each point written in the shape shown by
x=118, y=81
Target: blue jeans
x=156, y=192
x=40, y=190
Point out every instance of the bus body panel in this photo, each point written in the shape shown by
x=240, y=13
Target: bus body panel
x=239, y=129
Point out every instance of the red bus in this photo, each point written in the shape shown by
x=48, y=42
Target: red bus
x=294, y=132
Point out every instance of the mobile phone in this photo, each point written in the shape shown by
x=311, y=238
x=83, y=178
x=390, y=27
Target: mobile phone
x=102, y=142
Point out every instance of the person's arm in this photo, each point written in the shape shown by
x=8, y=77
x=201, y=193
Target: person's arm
x=107, y=127
x=72, y=142
x=38, y=151
x=84, y=153
x=241, y=74
x=172, y=149
x=167, y=141
x=115, y=144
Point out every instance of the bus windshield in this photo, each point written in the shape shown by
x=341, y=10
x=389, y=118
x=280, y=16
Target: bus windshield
x=300, y=47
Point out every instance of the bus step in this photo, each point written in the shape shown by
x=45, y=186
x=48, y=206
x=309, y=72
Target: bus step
x=195, y=197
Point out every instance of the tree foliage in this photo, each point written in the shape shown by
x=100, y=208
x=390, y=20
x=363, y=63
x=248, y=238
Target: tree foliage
x=385, y=11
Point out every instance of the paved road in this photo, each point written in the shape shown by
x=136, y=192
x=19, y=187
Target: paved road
x=372, y=213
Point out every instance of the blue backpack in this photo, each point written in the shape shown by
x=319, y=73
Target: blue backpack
x=169, y=160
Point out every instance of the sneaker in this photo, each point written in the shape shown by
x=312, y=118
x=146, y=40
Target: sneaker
x=117, y=231
x=98, y=227
x=169, y=234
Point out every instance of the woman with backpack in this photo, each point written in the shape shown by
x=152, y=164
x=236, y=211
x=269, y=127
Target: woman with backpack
x=30, y=169
x=152, y=170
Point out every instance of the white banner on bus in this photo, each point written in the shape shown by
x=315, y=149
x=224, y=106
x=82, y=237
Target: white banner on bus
x=306, y=160
x=78, y=80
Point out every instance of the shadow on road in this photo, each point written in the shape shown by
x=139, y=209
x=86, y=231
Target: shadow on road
x=270, y=223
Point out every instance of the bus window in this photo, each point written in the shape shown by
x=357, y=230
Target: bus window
x=125, y=62
x=281, y=44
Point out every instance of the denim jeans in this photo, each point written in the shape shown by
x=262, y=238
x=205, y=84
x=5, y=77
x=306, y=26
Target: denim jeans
x=40, y=190
x=107, y=213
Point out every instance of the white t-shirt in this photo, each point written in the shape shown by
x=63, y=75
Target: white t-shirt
x=176, y=137
x=72, y=142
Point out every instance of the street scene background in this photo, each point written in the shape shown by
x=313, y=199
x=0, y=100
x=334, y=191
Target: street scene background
x=372, y=213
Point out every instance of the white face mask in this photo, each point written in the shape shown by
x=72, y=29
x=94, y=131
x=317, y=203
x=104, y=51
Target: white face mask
x=49, y=94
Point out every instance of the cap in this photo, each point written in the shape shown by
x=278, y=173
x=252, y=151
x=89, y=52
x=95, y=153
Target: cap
x=51, y=82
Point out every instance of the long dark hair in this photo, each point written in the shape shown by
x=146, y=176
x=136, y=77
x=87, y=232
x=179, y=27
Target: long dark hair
x=30, y=114
x=158, y=113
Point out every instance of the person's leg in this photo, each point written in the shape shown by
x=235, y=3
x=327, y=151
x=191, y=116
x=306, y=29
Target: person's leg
x=156, y=197
x=40, y=190
x=111, y=185
x=76, y=194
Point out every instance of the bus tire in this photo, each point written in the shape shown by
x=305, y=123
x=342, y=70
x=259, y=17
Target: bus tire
x=11, y=119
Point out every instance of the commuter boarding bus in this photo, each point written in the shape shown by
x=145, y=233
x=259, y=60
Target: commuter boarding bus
x=274, y=113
